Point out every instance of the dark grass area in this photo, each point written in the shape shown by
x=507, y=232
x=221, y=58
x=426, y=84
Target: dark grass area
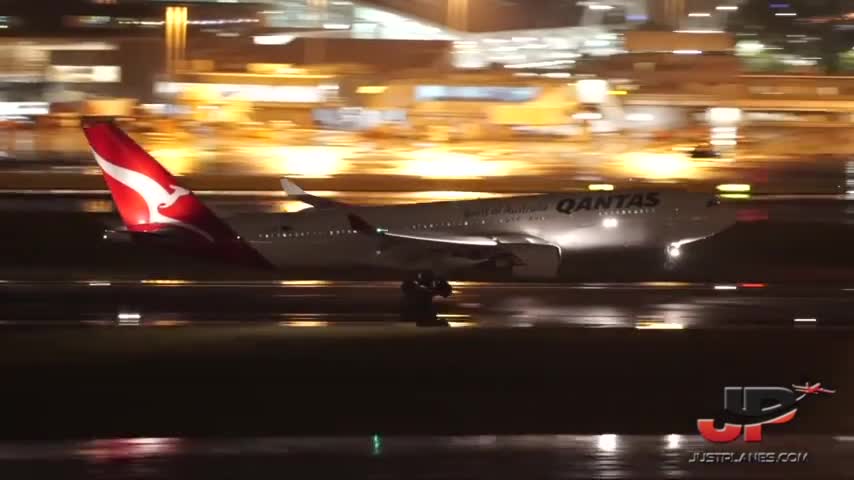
x=265, y=380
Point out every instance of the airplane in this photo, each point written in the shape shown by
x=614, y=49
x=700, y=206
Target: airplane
x=526, y=235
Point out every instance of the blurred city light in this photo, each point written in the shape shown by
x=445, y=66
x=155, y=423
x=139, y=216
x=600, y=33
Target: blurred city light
x=587, y=116
x=658, y=166
x=371, y=89
x=177, y=160
x=640, y=117
x=439, y=163
x=303, y=161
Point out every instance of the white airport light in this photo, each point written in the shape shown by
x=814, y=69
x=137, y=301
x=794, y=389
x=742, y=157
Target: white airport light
x=806, y=320
x=592, y=90
x=557, y=75
x=749, y=47
x=610, y=223
x=699, y=14
x=726, y=287
x=688, y=52
x=673, y=441
x=734, y=187
x=729, y=8
x=128, y=318
x=786, y=14
x=606, y=442
x=640, y=117
x=724, y=115
x=599, y=6
x=659, y=326
x=305, y=324
x=587, y=116
x=272, y=39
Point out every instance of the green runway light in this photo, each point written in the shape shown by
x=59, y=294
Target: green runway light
x=377, y=442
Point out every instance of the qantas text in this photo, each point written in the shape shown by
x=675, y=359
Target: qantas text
x=637, y=200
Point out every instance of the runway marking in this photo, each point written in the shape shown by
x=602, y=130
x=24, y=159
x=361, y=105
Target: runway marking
x=302, y=295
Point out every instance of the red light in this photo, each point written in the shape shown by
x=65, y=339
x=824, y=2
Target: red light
x=753, y=285
x=752, y=215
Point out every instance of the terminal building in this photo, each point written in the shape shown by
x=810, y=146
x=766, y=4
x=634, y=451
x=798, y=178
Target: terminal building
x=371, y=63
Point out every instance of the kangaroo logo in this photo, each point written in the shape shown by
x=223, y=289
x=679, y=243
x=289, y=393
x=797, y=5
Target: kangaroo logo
x=155, y=195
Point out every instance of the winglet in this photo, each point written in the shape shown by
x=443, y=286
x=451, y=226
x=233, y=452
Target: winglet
x=291, y=188
x=294, y=191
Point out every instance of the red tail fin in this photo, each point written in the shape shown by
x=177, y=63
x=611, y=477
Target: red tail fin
x=148, y=197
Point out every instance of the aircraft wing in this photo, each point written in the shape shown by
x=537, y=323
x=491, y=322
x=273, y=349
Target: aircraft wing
x=529, y=256
x=297, y=193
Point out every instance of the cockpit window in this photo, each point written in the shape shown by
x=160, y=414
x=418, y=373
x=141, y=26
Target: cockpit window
x=713, y=202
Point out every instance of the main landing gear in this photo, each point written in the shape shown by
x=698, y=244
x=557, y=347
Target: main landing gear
x=418, y=295
x=427, y=284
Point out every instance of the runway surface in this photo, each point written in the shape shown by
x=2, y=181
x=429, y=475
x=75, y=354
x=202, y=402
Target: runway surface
x=319, y=303
x=620, y=357
x=380, y=456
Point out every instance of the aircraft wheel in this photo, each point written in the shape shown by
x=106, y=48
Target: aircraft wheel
x=442, y=288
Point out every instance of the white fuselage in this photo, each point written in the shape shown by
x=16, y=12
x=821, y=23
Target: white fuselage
x=570, y=221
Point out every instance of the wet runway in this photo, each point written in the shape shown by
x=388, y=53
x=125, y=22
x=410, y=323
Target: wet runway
x=319, y=303
x=381, y=456
x=619, y=357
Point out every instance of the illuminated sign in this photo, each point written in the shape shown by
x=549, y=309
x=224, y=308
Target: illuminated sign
x=84, y=73
x=426, y=93
x=252, y=93
x=23, y=108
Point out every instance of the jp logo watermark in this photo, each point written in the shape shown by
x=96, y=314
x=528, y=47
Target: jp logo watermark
x=762, y=405
x=755, y=407
x=748, y=457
